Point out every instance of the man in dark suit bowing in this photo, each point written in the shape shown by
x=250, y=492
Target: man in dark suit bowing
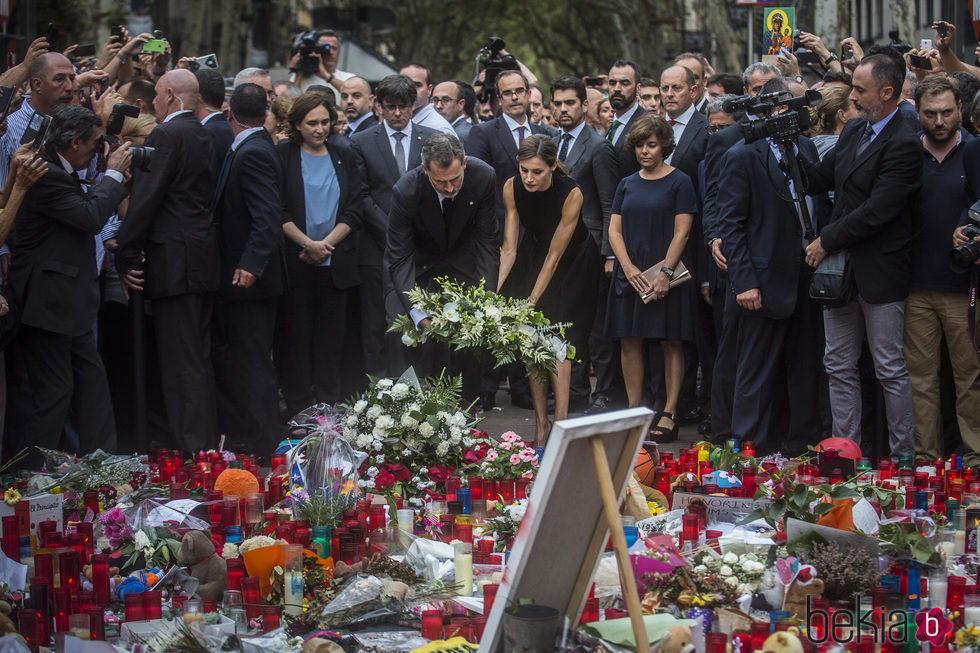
x=211, y=87
x=53, y=275
x=169, y=224
x=442, y=223
x=384, y=153
x=248, y=216
x=874, y=171
x=496, y=142
x=623, y=77
x=768, y=305
x=591, y=162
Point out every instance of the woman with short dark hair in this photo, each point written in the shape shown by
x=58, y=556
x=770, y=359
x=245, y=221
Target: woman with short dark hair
x=649, y=222
x=321, y=198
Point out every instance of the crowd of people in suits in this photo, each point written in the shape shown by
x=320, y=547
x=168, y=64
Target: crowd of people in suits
x=266, y=234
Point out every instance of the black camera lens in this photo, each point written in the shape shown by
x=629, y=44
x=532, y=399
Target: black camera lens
x=142, y=157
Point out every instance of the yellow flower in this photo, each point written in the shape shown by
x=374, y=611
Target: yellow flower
x=11, y=497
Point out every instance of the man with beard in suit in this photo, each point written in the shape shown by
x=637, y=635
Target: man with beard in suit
x=591, y=162
x=874, y=171
x=385, y=152
x=623, y=78
x=357, y=103
x=442, y=223
x=169, y=222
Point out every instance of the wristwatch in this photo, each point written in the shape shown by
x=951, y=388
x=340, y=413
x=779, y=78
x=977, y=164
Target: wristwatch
x=798, y=79
x=668, y=271
x=330, y=79
x=832, y=57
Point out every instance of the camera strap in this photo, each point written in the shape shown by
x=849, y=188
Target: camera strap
x=972, y=312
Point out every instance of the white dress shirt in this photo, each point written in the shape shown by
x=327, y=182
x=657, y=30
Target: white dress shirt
x=680, y=122
x=429, y=117
x=623, y=120
x=513, y=126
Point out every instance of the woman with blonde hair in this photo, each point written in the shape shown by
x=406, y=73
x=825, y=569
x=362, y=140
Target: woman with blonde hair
x=830, y=116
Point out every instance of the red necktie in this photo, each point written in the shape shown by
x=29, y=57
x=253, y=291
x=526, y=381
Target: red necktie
x=671, y=122
x=520, y=135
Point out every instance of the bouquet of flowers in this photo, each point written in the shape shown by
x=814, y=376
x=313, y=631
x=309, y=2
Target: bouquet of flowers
x=504, y=526
x=415, y=436
x=509, y=458
x=472, y=316
x=743, y=573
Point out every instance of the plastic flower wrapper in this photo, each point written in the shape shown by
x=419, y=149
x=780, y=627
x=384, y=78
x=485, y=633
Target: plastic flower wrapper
x=156, y=530
x=324, y=466
x=92, y=471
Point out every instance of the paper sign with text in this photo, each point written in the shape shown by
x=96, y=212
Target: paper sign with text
x=720, y=508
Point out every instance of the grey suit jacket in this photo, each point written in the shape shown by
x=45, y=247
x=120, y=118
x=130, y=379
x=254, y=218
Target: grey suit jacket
x=379, y=170
x=591, y=162
x=462, y=128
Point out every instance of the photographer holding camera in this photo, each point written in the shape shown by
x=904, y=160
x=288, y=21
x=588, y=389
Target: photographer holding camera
x=934, y=308
x=55, y=280
x=314, y=62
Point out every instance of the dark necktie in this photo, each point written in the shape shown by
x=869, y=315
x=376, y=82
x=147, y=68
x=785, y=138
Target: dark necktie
x=671, y=122
x=520, y=135
x=447, y=213
x=611, y=136
x=400, y=152
x=563, y=152
x=865, y=140
x=348, y=131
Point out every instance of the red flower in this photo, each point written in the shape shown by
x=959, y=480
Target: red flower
x=398, y=472
x=476, y=454
x=439, y=473
x=383, y=480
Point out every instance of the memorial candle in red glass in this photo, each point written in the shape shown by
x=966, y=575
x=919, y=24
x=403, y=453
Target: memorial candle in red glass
x=432, y=624
x=134, y=606
x=475, y=484
x=62, y=609
x=68, y=567
x=270, y=618
x=28, y=627
x=251, y=596
x=153, y=604
x=96, y=624
x=10, y=541
x=236, y=572
x=40, y=605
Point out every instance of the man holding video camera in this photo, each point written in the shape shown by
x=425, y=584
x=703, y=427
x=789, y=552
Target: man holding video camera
x=168, y=246
x=314, y=62
x=56, y=282
x=874, y=171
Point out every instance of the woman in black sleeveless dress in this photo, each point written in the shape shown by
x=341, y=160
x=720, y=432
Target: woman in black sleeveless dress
x=554, y=266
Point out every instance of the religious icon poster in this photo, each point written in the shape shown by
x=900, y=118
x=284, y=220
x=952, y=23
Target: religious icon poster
x=777, y=30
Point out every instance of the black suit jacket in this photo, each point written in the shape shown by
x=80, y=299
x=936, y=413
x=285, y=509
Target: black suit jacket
x=493, y=143
x=418, y=250
x=717, y=144
x=591, y=162
x=221, y=138
x=690, y=149
x=53, y=271
x=169, y=216
x=353, y=192
x=760, y=228
x=626, y=156
x=873, y=201
x=248, y=215
x=380, y=172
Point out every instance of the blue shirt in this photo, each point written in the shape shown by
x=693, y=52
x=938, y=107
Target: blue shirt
x=322, y=191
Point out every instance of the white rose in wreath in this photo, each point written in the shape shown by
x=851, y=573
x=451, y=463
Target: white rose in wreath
x=730, y=559
x=426, y=430
x=725, y=570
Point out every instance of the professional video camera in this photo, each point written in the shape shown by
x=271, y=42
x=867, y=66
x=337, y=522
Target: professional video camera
x=783, y=127
x=494, y=62
x=142, y=155
x=965, y=255
x=310, y=50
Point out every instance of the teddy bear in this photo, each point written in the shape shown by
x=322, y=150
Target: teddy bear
x=198, y=555
x=677, y=639
x=803, y=585
x=783, y=641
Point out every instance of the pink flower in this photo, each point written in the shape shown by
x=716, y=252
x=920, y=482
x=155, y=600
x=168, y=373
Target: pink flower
x=505, y=445
x=510, y=436
x=515, y=459
x=528, y=474
x=527, y=455
x=492, y=455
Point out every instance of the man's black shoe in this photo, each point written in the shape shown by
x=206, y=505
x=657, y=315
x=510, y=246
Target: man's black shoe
x=704, y=428
x=487, y=401
x=599, y=405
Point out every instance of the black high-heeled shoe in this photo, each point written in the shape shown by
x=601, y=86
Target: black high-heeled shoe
x=662, y=434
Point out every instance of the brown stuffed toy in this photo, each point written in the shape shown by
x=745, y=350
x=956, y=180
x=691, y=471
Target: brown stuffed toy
x=7, y=626
x=677, y=639
x=198, y=555
x=803, y=586
x=783, y=642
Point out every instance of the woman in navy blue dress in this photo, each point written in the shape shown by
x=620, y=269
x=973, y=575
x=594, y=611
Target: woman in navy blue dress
x=650, y=221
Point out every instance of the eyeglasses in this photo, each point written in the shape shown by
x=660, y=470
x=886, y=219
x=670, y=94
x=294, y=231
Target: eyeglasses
x=396, y=107
x=517, y=92
x=444, y=100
